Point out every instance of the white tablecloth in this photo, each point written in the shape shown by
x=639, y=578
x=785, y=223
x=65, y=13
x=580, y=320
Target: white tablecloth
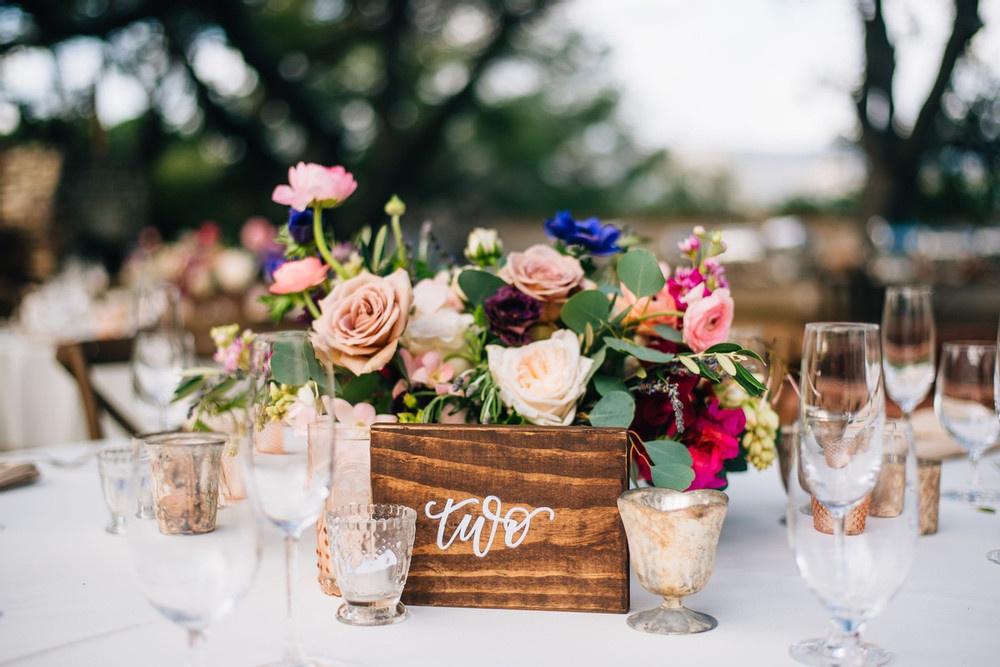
x=67, y=597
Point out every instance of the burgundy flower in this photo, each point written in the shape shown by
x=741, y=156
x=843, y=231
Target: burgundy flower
x=511, y=313
x=666, y=413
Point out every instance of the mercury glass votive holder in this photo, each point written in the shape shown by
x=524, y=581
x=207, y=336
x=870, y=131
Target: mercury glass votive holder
x=929, y=478
x=185, y=469
x=115, y=467
x=672, y=538
x=887, y=496
x=371, y=546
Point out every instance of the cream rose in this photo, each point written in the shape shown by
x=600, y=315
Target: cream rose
x=543, y=273
x=437, y=323
x=543, y=380
x=361, y=321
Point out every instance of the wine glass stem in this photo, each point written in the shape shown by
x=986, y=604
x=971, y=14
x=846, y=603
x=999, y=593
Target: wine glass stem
x=974, y=457
x=293, y=647
x=839, y=521
x=196, y=648
x=844, y=640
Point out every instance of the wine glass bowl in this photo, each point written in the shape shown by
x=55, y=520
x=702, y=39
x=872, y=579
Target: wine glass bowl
x=908, y=342
x=965, y=404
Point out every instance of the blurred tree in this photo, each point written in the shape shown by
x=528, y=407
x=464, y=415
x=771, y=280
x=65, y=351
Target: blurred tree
x=948, y=164
x=464, y=108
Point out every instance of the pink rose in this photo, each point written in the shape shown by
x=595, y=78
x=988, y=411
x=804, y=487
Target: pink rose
x=298, y=276
x=661, y=302
x=311, y=184
x=361, y=321
x=707, y=320
x=543, y=273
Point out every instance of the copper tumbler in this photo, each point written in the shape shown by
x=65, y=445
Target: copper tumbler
x=185, y=469
x=854, y=522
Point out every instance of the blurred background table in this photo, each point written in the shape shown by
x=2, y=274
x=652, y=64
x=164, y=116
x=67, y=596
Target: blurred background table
x=67, y=597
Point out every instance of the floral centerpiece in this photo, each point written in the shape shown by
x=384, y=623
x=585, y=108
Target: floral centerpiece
x=587, y=329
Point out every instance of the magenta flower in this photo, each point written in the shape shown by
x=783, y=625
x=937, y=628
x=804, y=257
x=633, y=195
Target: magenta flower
x=311, y=184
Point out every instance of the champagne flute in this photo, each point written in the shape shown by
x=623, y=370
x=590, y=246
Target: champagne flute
x=841, y=417
x=855, y=583
x=291, y=423
x=191, y=569
x=965, y=405
x=161, y=349
x=908, y=342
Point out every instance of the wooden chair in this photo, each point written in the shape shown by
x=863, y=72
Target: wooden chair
x=77, y=359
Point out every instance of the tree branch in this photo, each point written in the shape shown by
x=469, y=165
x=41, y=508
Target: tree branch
x=880, y=67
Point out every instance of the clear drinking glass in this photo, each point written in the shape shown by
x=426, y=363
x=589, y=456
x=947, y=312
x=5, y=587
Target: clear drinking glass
x=965, y=405
x=371, y=547
x=995, y=554
x=115, y=467
x=908, y=343
x=192, y=578
x=291, y=459
x=161, y=350
x=855, y=581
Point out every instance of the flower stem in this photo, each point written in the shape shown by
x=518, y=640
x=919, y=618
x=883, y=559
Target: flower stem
x=397, y=233
x=310, y=305
x=321, y=245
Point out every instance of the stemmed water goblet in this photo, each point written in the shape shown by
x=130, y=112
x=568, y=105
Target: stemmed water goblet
x=908, y=343
x=965, y=404
x=291, y=458
x=161, y=349
x=841, y=417
x=856, y=581
x=193, y=562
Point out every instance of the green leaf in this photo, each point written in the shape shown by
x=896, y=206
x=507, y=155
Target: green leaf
x=640, y=272
x=598, y=359
x=360, y=389
x=747, y=380
x=379, y=248
x=753, y=355
x=726, y=364
x=707, y=372
x=218, y=391
x=724, y=348
x=615, y=409
x=668, y=333
x=587, y=307
x=668, y=452
x=638, y=351
x=689, y=363
x=672, y=477
x=605, y=384
x=188, y=387
x=479, y=285
x=289, y=364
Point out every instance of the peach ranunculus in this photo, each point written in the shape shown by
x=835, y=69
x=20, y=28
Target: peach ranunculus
x=707, y=320
x=298, y=276
x=361, y=321
x=313, y=184
x=662, y=301
x=543, y=273
x=543, y=380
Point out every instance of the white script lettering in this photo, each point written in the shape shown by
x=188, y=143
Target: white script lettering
x=515, y=531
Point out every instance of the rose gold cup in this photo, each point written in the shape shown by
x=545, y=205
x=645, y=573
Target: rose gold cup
x=929, y=476
x=185, y=469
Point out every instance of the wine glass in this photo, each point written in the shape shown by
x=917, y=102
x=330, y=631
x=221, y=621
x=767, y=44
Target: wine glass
x=908, y=342
x=965, y=405
x=995, y=554
x=161, y=349
x=855, y=582
x=193, y=566
x=291, y=423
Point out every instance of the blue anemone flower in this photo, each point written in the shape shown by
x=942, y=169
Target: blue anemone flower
x=300, y=225
x=598, y=239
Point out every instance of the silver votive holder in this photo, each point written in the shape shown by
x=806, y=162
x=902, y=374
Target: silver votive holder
x=887, y=496
x=929, y=478
x=672, y=538
x=185, y=469
x=371, y=547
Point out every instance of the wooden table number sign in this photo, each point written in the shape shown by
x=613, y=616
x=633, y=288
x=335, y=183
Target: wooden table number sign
x=518, y=517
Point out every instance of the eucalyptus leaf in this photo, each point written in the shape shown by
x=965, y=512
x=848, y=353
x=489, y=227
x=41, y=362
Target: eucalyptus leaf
x=641, y=273
x=360, y=389
x=668, y=452
x=615, y=409
x=605, y=384
x=638, y=351
x=672, y=477
x=479, y=285
x=587, y=307
x=288, y=363
x=598, y=359
x=668, y=333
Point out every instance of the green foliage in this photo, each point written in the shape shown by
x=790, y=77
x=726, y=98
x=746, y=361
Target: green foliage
x=605, y=384
x=638, y=351
x=479, y=285
x=671, y=467
x=617, y=408
x=640, y=272
x=587, y=307
x=668, y=333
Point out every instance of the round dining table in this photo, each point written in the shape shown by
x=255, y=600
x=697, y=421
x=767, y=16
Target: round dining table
x=67, y=597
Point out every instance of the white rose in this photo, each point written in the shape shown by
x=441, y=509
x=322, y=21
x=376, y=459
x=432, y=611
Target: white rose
x=543, y=380
x=436, y=323
x=483, y=245
x=235, y=270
